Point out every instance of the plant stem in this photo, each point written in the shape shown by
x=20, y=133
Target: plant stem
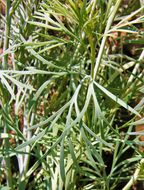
x=7, y=34
x=7, y=161
x=134, y=177
x=26, y=158
x=109, y=23
x=132, y=77
x=5, y=65
x=91, y=41
x=92, y=54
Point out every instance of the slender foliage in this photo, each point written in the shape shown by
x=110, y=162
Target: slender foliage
x=71, y=94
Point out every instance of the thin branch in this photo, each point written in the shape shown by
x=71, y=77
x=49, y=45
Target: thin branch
x=5, y=65
x=135, y=70
x=109, y=23
x=7, y=33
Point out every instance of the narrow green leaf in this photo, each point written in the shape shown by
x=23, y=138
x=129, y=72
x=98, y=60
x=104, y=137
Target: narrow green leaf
x=51, y=47
x=97, y=137
x=40, y=90
x=7, y=86
x=39, y=24
x=116, y=99
x=71, y=148
x=62, y=164
x=19, y=84
x=32, y=140
x=136, y=133
x=59, y=112
x=138, y=122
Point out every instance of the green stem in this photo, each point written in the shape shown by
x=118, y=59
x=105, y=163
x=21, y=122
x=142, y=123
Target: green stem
x=7, y=34
x=93, y=8
x=91, y=41
x=92, y=54
x=109, y=23
x=5, y=65
x=7, y=161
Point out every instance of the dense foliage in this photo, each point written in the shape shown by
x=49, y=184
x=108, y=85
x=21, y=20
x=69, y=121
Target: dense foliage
x=71, y=94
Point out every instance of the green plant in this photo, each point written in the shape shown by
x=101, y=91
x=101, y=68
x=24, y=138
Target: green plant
x=64, y=95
